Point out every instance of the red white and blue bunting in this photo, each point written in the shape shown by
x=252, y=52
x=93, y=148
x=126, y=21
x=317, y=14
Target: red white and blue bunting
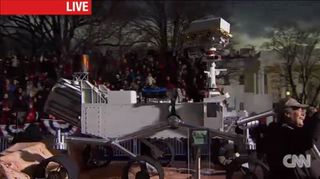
x=53, y=125
x=49, y=125
x=11, y=130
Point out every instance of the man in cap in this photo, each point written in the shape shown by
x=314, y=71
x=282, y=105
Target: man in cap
x=290, y=112
x=287, y=137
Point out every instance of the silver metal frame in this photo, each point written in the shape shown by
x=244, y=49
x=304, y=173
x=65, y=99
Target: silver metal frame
x=171, y=123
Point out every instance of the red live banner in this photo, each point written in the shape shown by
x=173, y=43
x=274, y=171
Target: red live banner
x=45, y=7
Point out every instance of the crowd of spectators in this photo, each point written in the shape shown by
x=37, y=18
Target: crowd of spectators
x=179, y=75
x=25, y=82
x=24, y=85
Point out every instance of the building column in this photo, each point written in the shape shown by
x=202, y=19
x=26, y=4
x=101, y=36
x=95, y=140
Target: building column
x=255, y=83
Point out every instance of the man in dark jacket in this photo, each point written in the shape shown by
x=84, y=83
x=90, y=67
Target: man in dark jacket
x=286, y=136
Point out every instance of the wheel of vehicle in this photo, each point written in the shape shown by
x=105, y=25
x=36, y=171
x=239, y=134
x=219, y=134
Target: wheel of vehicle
x=168, y=154
x=97, y=156
x=142, y=167
x=57, y=167
x=255, y=169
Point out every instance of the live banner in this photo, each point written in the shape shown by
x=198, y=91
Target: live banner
x=45, y=7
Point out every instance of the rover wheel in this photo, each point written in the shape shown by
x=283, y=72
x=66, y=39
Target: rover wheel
x=168, y=152
x=57, y=167
x=142, y=167
x=255, y=169
x=97, y=156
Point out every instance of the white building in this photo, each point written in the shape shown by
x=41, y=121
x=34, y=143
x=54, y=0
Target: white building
x=247, y=85
x=258, y=82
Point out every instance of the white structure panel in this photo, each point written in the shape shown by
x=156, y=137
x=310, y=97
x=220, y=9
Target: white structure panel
x=90, y=120
x=125, y=119
x=112, y=121
x=122, y=97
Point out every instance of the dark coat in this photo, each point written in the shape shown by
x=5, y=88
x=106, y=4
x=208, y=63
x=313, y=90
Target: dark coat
x=282, y=139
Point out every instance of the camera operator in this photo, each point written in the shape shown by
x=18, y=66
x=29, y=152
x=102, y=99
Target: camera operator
x=286, y=136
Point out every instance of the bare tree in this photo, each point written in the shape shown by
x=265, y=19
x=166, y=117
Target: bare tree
x=297, y=49
x=57, y=34
x=164, y=22
x=121, y=24
x=52, y=33
x=117, y=29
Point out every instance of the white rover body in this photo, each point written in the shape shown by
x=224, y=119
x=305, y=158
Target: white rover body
x=116, y=114
x=124, y=116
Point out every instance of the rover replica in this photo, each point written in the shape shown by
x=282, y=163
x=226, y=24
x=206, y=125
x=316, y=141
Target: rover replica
x=109, y=118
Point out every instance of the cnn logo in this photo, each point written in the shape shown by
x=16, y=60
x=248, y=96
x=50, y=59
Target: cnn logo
x=292, y=161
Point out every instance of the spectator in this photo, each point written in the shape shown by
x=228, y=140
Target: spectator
x=134, y=86
x=14, y=65
x=169, y=84
x=6, y=110
x=150, y=80
x=31, y=89
x=40, y=98
x=32, y=114
x=181, y=95
x=287, y=137
x=171, y=88
x=20, y=104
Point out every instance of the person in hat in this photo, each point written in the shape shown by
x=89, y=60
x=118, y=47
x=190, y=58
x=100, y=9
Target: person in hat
x=286, y=136
x=290, y=112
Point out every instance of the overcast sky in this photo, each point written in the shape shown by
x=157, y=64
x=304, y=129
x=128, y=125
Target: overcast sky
x=252, y=21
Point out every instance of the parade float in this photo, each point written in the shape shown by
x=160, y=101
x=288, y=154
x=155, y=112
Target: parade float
x=111, y=118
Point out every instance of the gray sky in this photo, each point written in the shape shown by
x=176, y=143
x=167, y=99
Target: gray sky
x=252, y=21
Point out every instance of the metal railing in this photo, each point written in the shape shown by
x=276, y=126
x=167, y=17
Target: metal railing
x=134, y=145
x=92, y=94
